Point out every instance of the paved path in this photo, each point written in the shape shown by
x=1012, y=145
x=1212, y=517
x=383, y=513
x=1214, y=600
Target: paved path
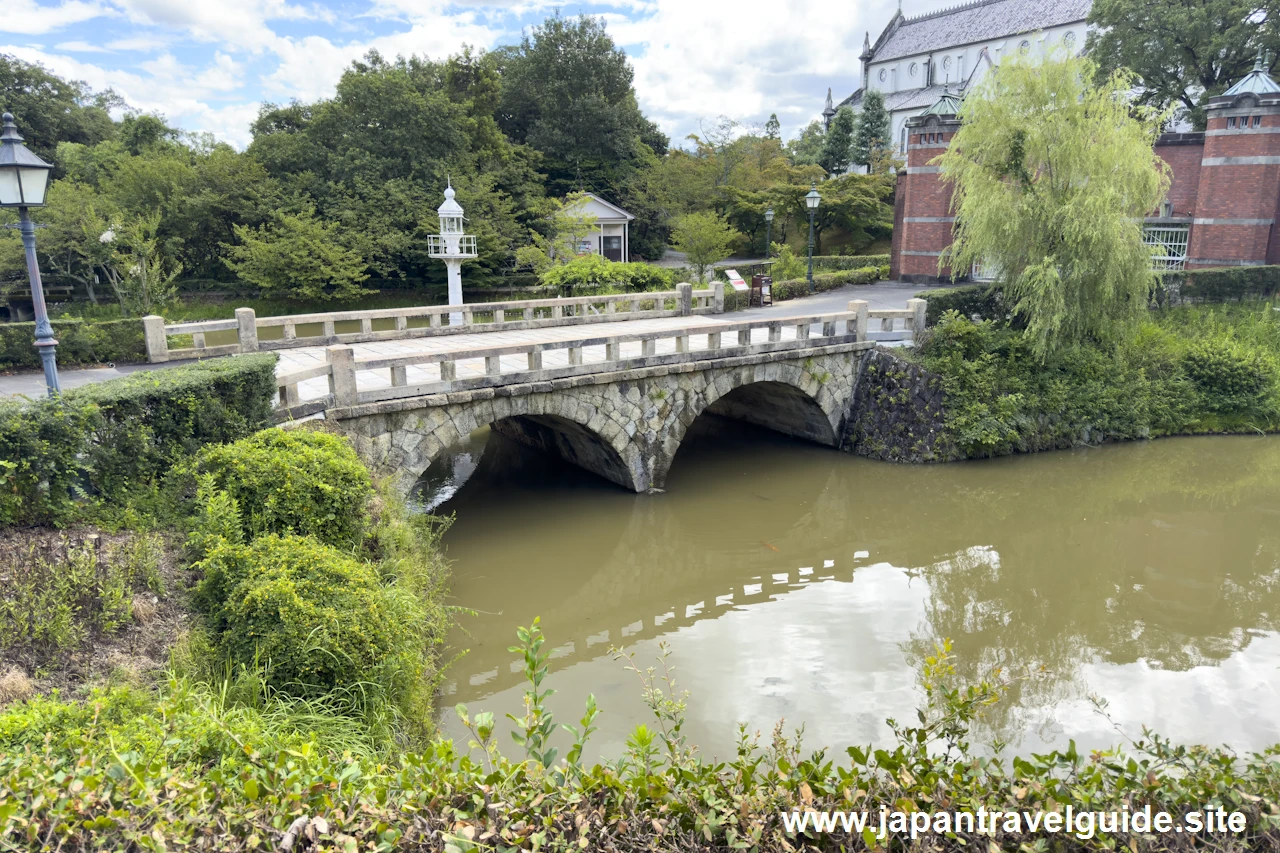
x=879, y=296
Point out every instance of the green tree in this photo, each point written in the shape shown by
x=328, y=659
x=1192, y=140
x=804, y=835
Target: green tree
x=1051, y=177
x=806, y=149
x=704, y=238
x=871, y=136
x=772, y=127
x=298, y=256
x=141, y=276
x=49, y=109
x=1183, y=51
x=837, y=145
x=567, y=92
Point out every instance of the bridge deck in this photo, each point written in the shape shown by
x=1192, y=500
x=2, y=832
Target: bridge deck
x=370, y=380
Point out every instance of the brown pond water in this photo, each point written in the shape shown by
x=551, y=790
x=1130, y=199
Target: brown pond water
x=791, y=581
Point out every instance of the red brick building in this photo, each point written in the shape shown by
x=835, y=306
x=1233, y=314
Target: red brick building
x=1221, y=209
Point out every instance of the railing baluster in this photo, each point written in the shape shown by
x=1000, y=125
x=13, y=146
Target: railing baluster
x=492, y=365
x=648, y=347
x=290, y=331
x=575, y=355
x=682, y=343
x=713, y=341
x=328, y=329
x=535, y=360
x=499, y=316
x=366, y=325
x=197, y=340
x=744, y=337
x=448, y=371
x=528, y=314
x=399, y=376
x=434, y=321
x=802, y=331
x=402, y=323
x=612, y=350
x=775, y=332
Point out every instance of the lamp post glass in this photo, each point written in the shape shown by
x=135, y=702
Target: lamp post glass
x=811, y=200
x=24, y=177
x=768, y=232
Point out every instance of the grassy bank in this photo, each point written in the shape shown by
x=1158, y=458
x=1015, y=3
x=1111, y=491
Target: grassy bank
x=1188, y=369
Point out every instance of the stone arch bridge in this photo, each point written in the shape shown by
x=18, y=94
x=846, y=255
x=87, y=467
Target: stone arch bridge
x=616, y=404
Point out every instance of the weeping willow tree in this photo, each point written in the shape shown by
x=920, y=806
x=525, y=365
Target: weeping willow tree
x=1051, y=177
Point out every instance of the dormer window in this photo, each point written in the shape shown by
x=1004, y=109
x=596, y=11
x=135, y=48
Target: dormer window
x=1231, y=123
x=1257, y=120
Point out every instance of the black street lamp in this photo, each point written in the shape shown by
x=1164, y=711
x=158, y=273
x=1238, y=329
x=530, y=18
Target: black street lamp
x=23, y=180
x=811, y=201
x=768, y=231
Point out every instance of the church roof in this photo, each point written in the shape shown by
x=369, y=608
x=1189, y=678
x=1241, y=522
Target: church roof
x=907, y=99
x=974, y=22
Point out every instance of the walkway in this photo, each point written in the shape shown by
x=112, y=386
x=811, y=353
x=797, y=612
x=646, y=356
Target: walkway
x=879, y=296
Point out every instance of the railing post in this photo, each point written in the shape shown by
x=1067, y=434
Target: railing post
x=247, y=329
x=860, y=307
x=157, y=342
x=919, y=311
x=684, y=301
x=717, y=297
x=342, y=375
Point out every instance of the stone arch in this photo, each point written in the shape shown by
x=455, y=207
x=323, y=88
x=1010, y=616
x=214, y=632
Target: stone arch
x=558, y=422
x=793, y=399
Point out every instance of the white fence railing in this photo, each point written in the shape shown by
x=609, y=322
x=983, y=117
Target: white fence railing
x=250, y=333
x=1168, y=245
x=426, y=373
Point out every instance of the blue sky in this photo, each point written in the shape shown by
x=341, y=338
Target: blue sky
x=208, y=65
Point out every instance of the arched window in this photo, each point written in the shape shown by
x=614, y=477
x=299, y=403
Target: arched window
x=904, y=141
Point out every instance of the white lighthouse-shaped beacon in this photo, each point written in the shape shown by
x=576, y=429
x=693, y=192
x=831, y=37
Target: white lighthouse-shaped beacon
x=453, y=247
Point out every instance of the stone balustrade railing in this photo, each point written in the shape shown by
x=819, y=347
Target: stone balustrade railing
x=254, y=334
x=437, y=373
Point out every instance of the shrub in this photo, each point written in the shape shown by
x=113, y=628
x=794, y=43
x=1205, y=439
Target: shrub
x=849, y=262
x=1231, y=284
x=293, y=481
x=1231, y=377
x=594, y=271
x=78, y=343
x=983, y=301
x=317, y=619
x=108, y=439
x=822, y=282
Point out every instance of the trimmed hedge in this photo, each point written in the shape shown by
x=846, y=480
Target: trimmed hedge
x=78, y=343
x=1229, y=284
x=849, y=262
x=984, y=301
x=822, y=282
x=111, y=438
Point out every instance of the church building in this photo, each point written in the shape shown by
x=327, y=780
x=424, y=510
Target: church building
x=915, y=59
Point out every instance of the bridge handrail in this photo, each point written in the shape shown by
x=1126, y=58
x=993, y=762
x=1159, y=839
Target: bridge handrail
x=342, y=367
x=573, y=310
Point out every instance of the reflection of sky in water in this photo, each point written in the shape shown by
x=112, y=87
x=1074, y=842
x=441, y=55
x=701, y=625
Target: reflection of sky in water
x=792, y=582
x=830, y=656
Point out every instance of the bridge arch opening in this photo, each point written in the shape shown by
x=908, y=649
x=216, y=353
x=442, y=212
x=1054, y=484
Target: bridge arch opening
x=571, y=441
x=779, y=406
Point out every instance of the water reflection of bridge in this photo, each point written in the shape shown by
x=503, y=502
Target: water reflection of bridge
x=1158, y=552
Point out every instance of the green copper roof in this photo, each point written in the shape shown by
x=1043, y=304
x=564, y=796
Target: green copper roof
x=1257, y=81
x=947, y=105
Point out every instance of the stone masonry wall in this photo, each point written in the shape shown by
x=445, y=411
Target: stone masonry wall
x=625, y=426
x=897, y=412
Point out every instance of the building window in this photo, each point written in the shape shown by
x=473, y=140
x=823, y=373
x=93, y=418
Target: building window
x=946, y=63
x=1024, y=47
x=1257, y=120
x=1231, y=122
x=1166, y=209
x=884, y=74
x=912, y=68
x=1069, y=39
x=904, y=139
x=1168, y=245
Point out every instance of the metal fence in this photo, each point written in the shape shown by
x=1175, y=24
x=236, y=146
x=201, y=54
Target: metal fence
x=1168, y=245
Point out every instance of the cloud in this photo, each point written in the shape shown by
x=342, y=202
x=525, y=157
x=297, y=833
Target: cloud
x=233, y=24
x=311, y=66
x=28, y=17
